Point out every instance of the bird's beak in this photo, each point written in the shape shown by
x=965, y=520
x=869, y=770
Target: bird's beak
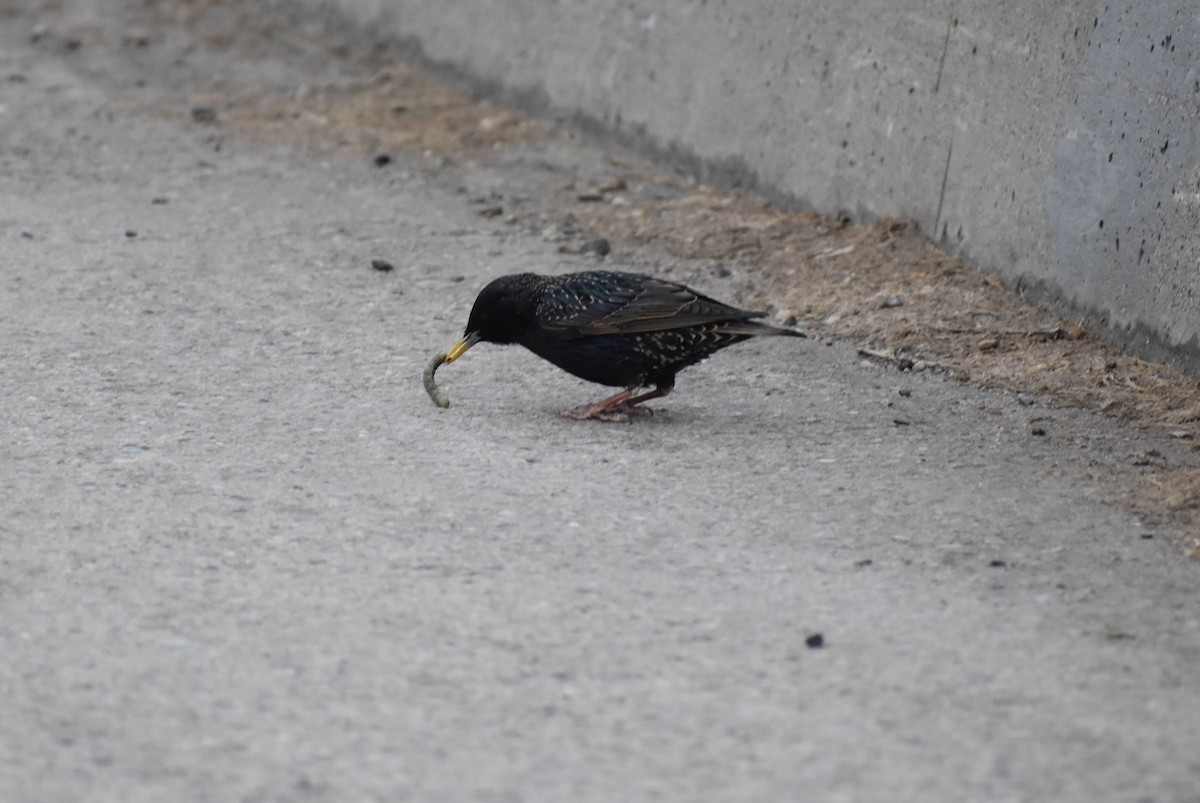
x=460, y=348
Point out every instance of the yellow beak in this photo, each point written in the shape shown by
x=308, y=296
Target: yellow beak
x=460, y=348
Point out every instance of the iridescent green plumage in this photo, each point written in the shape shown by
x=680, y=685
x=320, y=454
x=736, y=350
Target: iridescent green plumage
x=620, y=329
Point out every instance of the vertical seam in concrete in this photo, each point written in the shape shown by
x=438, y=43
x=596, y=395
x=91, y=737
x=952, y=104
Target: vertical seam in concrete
x=937, y=83
x=937, y=219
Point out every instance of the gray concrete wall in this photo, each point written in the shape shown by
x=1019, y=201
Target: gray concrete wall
x=1056, y=145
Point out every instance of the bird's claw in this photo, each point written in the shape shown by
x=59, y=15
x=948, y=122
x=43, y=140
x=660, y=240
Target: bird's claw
x=613, y=413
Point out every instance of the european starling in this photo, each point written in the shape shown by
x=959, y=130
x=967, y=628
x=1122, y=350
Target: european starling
x=620, y=329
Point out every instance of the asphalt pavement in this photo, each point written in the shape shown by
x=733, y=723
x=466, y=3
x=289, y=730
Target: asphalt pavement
x=244, y=557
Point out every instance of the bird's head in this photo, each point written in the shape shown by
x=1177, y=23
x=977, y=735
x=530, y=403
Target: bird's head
x=503, y=310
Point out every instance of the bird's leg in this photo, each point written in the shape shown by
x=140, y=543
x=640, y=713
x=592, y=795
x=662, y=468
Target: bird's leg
x=657, y=393
x=619, y=407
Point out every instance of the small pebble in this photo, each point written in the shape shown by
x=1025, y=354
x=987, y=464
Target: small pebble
x=1025, y=400
x=815, y=642
x=492, y=211
x=382, y=159
x=1037, y=432
x=567, y=224
x=130, y=233
x=919, y=366
x=905, y=392
x=1147, y=457
x=382, y=265
x=596, y=245
x=135, y=37
x=891, y=302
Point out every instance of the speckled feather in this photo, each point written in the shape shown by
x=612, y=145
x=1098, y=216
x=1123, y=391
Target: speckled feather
x=608, y=302
x=619, y=329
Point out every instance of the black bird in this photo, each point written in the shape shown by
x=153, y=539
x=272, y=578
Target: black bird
x=620, y=329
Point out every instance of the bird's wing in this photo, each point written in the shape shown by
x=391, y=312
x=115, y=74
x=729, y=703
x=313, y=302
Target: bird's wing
x=602, y=303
